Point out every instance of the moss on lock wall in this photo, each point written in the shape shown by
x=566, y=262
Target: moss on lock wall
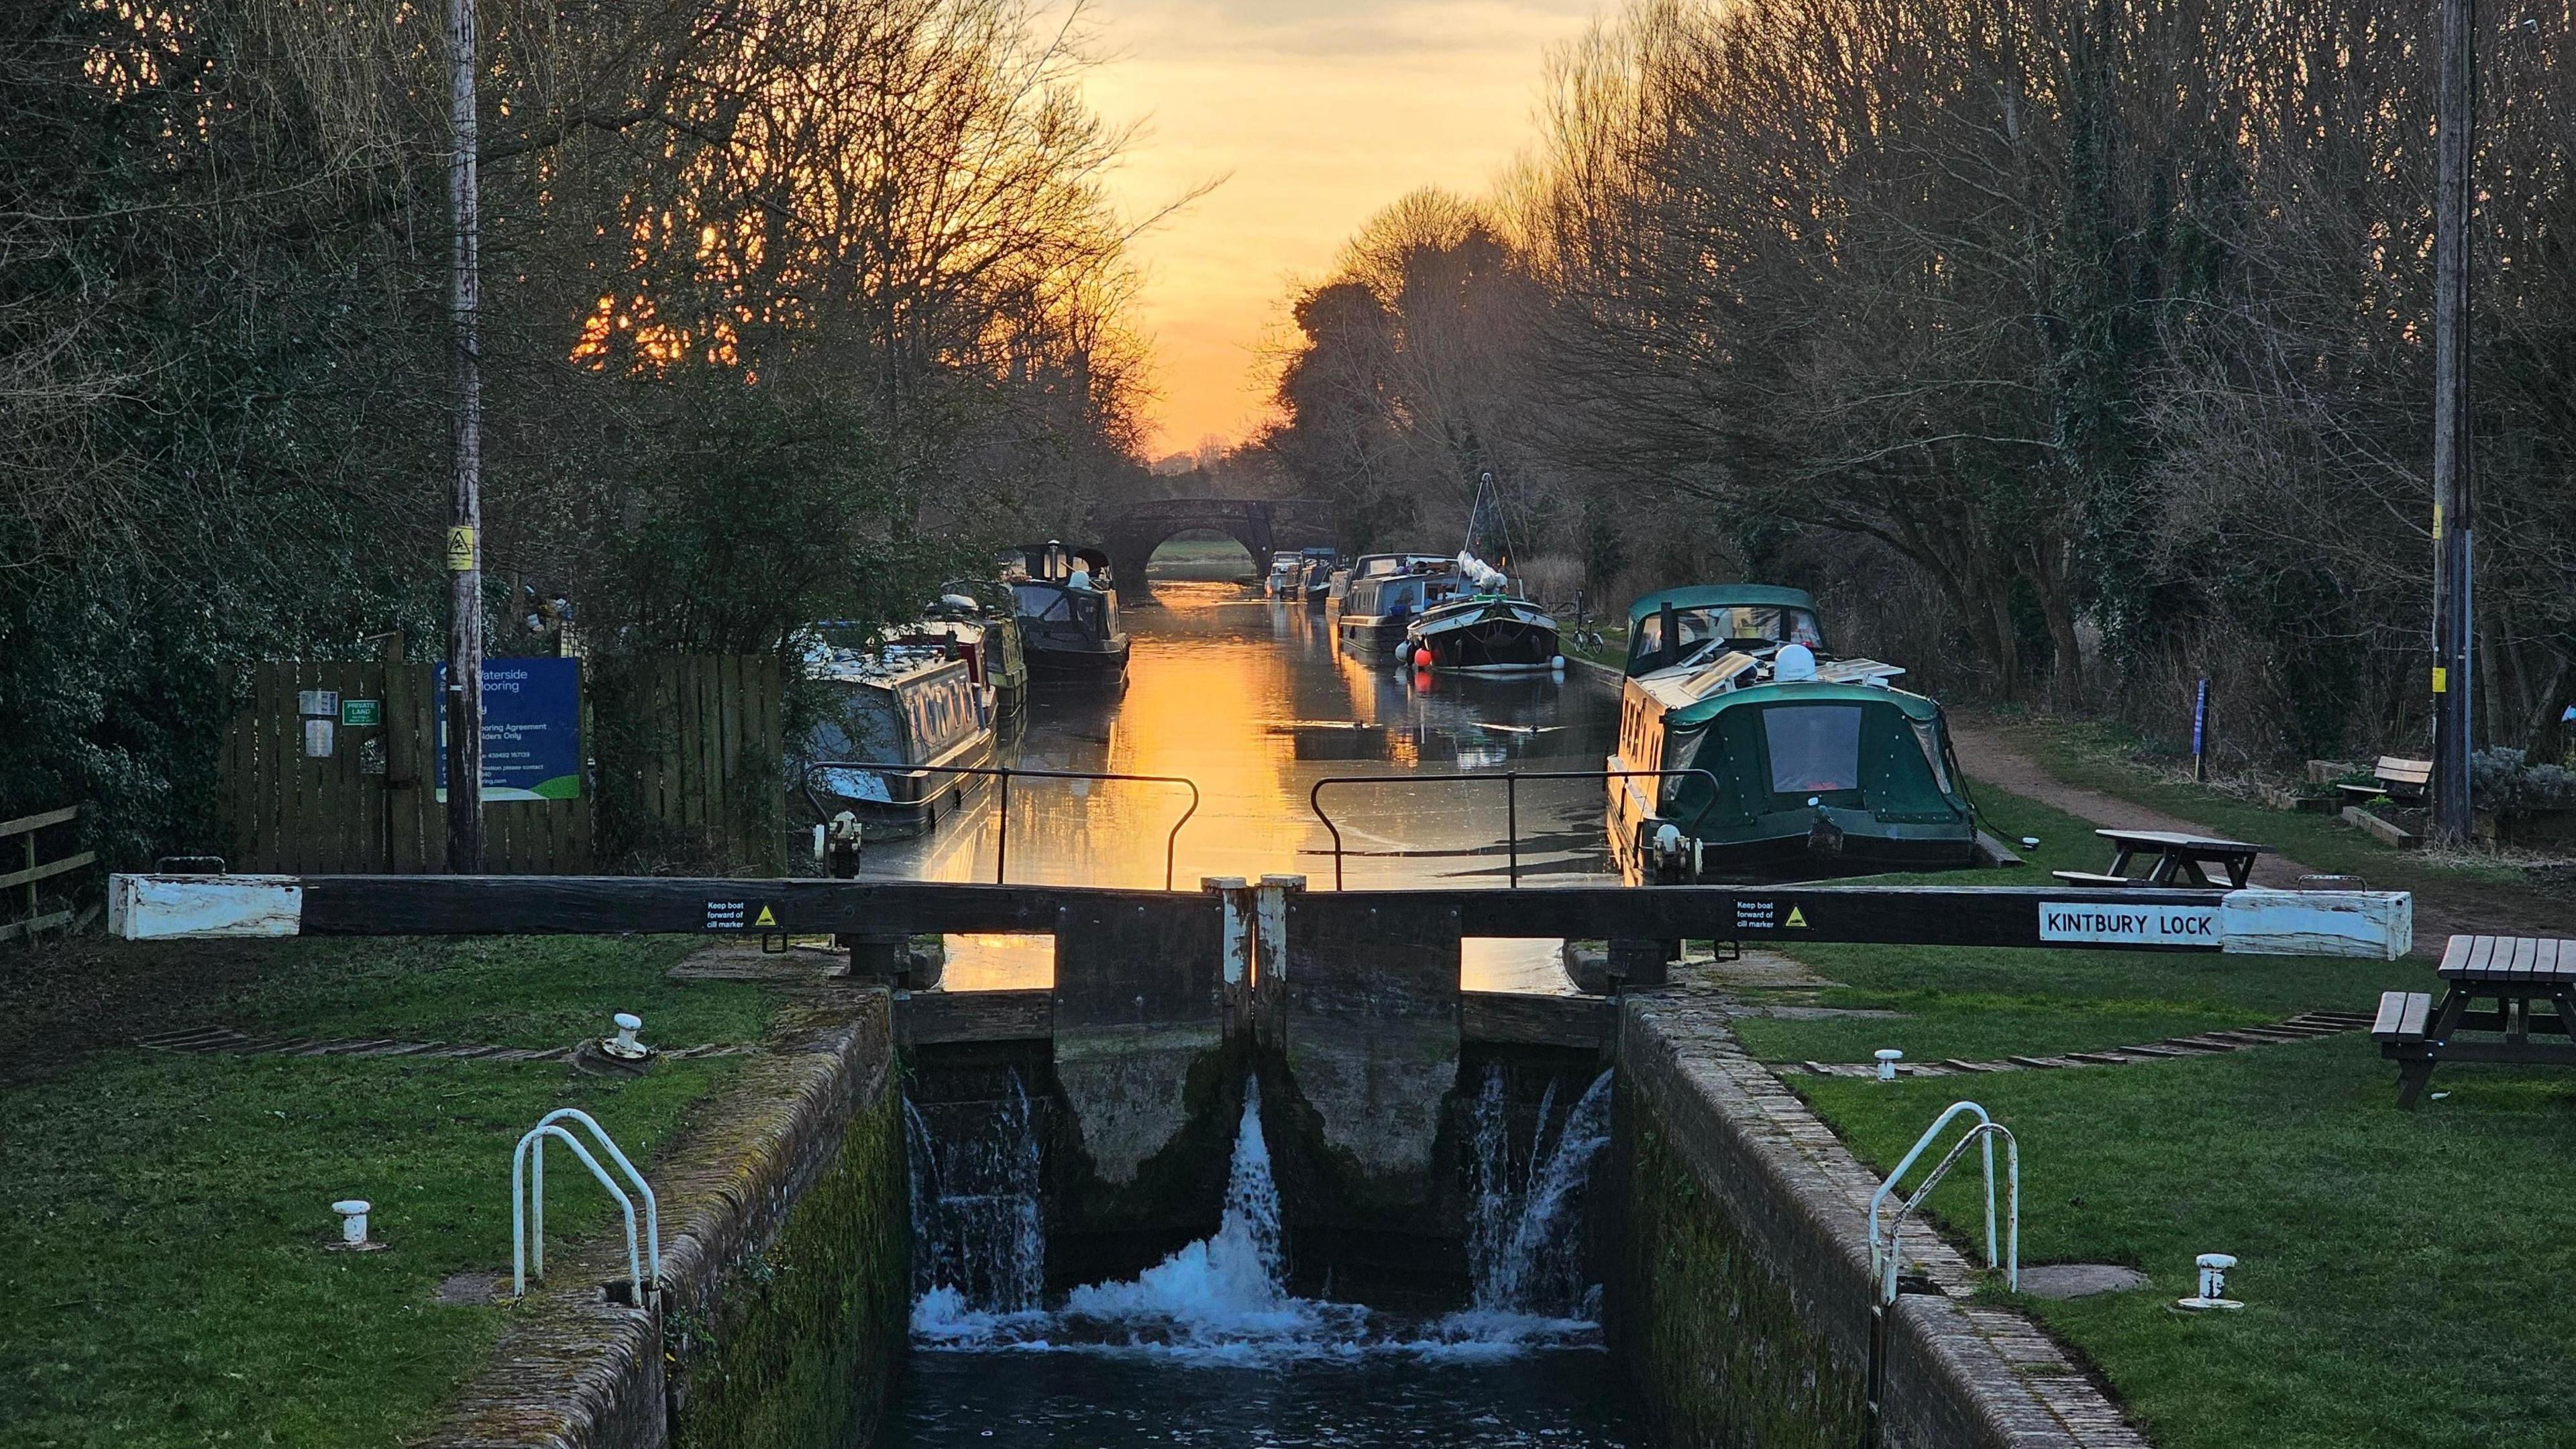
x=1710, y=1336
x=810, y=1333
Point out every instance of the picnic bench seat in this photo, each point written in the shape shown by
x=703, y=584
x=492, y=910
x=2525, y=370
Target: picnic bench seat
x=2093, y=878
x=2508, y=987
x=2401, y=1015
x=2398, y=778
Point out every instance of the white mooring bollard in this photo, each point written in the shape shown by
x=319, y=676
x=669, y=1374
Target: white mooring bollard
x=353, y=1222
x=1888, y=1057
x=2213, y=1284
x=624, y=1043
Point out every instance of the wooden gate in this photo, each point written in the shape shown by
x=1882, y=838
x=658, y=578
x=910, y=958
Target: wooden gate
x=355, y=791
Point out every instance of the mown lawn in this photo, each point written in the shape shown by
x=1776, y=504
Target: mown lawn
x=167, y=1281
x=2403, y=1271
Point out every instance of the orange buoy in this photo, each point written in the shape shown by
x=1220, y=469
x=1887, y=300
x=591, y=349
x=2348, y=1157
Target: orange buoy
x=1422, y=657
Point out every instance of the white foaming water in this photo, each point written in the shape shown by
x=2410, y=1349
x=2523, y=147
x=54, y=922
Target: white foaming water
x=1525, y=1240
x=1224, y=1298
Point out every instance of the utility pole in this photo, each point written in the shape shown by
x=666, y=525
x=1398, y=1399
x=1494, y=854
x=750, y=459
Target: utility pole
x=2453, y=507
x=465, y=513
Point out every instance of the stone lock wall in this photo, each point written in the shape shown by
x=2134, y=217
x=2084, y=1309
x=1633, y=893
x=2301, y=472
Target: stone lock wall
x=1742, y=1308
x=786, y=1271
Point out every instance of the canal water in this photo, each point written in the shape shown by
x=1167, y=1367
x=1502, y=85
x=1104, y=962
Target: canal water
x=1209, y=1347
x=1251, y=699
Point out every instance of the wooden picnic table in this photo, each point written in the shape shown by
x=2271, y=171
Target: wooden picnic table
x=2175, y=860
x=2515, y=973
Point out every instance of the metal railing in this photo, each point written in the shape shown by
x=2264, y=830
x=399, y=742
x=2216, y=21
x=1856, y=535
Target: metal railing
x=1886, y=1258
x=528, y=1202
x=1006, y=773
x=1511, y=799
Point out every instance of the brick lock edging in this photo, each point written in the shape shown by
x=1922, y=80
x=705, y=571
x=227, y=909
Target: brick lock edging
x=574, y=1371
x=1960, y=1373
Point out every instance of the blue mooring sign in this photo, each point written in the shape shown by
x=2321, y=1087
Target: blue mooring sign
x=531, y=729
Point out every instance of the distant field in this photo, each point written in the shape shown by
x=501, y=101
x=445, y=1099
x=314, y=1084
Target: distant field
x=1212, y=557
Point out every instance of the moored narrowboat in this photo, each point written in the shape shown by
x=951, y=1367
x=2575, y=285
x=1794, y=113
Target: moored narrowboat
x=913, y=707
x=1068, y=613
x=1315, y=574
x=987, y=645
x=1668, y=627
x=1387, y=591
x=1281, y=582
x=1484, y=629
x=1821, y=767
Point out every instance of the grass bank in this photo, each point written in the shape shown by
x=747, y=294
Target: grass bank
x=168, y=1281
x=2399, y=1267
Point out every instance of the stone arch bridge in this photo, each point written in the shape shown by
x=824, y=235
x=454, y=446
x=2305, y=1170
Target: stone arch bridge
x=1262, y=525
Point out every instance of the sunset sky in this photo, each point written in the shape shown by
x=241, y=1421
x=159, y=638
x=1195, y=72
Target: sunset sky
x=1320, y=112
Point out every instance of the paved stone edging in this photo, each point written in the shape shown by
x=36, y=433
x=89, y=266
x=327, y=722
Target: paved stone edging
x=1961, y=1374
x=576, y=1371
x=2200, y=1044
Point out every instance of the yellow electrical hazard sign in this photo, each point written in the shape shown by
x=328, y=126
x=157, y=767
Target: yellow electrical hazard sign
x=765, y=918
x=2441, y=680
x=1797, y=917
x=460, y=550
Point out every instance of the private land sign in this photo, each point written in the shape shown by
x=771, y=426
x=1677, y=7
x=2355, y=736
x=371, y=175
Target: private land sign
x=2116, y=925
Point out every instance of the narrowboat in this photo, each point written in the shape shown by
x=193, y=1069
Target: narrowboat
x=1821, y=767
x=1281, y=582
x=1068, y=614
x=912, y=707
x=1484, y=628
x=1315, y=574
x=988, y=643
x=1668, y=627
x=1387, y=590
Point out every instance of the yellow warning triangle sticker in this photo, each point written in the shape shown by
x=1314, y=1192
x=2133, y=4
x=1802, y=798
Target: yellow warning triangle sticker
x=1796, y=916
x=765, y=918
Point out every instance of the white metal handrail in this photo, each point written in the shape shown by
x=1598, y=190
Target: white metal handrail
x=1883, y=1254
x=616, y=1154
x=528, y=1209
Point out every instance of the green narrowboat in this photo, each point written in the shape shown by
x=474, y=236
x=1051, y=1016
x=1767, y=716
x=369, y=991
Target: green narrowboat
x=1821, y=767
x=1667, y=627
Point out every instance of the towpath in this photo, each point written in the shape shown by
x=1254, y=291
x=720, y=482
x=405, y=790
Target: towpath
x=1987, y=755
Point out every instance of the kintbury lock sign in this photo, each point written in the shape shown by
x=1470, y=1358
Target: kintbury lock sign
x=2116, y=925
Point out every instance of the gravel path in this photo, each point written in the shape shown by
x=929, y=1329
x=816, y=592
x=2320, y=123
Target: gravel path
x=1987, y=755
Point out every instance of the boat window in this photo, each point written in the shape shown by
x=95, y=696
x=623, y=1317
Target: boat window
x=1927, y=733
x=1041, y=603
x=858, y=722
x=1814, y=748
x=1766, y=623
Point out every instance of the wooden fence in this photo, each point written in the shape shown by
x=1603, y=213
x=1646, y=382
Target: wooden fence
x=693, y=744
x=361, y=796
x=18, y=888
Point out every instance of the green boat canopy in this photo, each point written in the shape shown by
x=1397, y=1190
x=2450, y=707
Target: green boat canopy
x=1722, y=596
x=1774, y=747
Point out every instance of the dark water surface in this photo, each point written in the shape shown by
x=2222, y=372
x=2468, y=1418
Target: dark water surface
x=1077, y=1400
x=1252, y=700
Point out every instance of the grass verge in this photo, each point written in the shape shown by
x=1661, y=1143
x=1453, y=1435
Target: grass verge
x=168, y=1281
x=2399, y=1267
